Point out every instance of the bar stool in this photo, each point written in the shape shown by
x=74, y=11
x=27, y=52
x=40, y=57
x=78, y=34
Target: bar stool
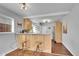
x=38, y=49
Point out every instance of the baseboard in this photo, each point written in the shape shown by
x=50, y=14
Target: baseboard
x=9, y=51
x=68, y=49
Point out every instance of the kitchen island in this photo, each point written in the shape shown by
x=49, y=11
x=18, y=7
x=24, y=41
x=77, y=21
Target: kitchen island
x=34, y=42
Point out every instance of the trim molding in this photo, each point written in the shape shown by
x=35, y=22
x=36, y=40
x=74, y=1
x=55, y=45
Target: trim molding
x=68, y=49
x=50, y=14
x=9, y=51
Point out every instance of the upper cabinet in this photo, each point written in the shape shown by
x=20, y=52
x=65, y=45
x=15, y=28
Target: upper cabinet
x=27, y=24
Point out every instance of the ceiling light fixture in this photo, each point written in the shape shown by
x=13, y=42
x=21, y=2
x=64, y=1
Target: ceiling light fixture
x=46, y=21
x=24, y=6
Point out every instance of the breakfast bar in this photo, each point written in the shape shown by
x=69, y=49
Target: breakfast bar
x=34, y=42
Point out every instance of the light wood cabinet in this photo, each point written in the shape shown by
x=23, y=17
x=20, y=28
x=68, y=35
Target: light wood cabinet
x=58, y=32
x=33, y=40
x=27, y=24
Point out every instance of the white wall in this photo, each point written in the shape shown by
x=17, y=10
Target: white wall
x=71, y=39
x=7, y=42
x=46, y=30
x=7, y=39
x=5, y=21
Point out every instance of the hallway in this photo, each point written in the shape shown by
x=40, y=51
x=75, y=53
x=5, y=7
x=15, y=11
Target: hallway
x=60, y=49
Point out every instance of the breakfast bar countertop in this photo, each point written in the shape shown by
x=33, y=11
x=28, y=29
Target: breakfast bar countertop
x=34, y=33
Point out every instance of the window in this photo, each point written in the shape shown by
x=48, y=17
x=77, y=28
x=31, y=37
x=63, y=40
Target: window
x=6, y=24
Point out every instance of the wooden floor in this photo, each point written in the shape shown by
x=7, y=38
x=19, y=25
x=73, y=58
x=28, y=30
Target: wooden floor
x=57, y=50
x=20, y=52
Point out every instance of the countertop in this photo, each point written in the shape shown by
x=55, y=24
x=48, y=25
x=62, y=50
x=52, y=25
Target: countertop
x=33, y=33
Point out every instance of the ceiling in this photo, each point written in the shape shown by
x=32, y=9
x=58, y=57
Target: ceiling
x=38, y=8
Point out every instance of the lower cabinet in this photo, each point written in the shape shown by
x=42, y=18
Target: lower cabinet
x=35, y=42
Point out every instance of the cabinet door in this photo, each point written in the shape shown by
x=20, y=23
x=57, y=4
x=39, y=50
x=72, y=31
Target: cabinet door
x=27, y=24
x=58, y=32
x=20, y=39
